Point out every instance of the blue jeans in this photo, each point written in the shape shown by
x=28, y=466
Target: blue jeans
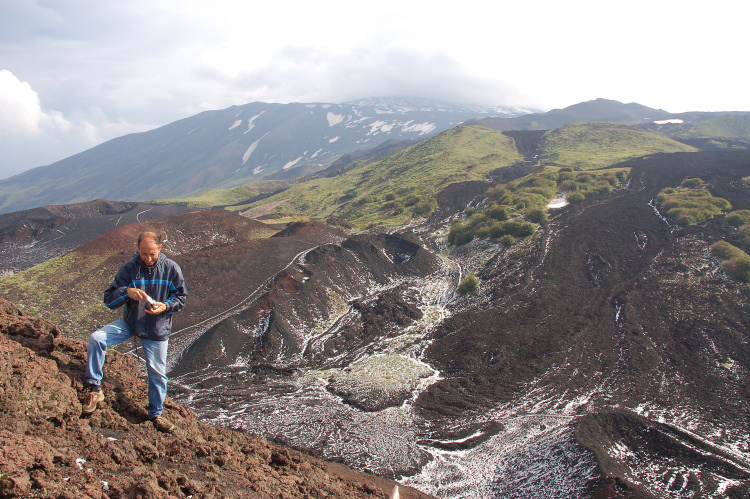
x=156, y=361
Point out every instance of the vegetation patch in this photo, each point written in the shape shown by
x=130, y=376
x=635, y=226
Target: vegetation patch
x=741, y=220
x=468, y=285
x=597, y=145
x=512, y=210
x=390, y=190
x=692, y=203
x=734, y=261
x=229, y=197
x=738, y=218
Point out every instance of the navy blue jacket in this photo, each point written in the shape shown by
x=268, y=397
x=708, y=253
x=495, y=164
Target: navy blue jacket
x=162, y=281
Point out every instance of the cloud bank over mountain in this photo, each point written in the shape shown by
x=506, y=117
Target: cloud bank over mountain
x=101, y=69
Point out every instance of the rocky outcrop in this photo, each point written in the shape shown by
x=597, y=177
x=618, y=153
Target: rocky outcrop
x=48, y=450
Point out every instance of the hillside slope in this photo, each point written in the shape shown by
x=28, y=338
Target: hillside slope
x=83, y=274
x=48, y=450
x=390, y=189
x=230, y=147
x=30, y=237
x=588, y=146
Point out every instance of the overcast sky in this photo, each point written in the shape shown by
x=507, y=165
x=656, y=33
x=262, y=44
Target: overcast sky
x=76, y=73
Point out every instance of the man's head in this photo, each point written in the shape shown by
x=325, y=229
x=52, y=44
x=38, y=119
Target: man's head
x=149, y=246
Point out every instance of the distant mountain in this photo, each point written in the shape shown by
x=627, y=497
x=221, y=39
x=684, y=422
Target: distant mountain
x=232, y=147
x=599, y=110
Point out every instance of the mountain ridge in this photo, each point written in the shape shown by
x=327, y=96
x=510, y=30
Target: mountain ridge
x=227, y=148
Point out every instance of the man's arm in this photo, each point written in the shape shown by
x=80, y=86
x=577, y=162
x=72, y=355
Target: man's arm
x=117, y=292
x=177, y=291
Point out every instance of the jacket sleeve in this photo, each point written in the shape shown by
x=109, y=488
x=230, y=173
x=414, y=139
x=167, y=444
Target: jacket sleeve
x=177, y=291
x=117, y=292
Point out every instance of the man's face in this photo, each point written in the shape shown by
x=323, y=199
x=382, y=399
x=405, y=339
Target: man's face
x=149, y=251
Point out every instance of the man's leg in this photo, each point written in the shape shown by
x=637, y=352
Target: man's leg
x=156, y=367
x=110, y=335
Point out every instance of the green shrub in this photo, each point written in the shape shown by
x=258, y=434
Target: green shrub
x=576, y=197
x=569, y=186
x=507, y=240
x=425, y=207
x=691, y=206
x=602, y=187
x=609, y=178
x=482, y=232
x=527, y=199
x=513, y=227
x=738, y=218
x=468, y=285
x=725, y=251
x=563, y=177
x=738, y=268
x=497, y=212
x=745, y=237
x=390, y=196
x=622, y=175
x=691, y=182
x=476, y=219
x=411, y=200
x=536, y=215
x=460, y=233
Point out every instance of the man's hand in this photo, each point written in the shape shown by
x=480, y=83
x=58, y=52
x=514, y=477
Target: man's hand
x=157, y=308
x=137, y=294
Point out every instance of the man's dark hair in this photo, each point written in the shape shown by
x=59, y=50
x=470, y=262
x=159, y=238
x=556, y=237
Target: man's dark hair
x=156, y=237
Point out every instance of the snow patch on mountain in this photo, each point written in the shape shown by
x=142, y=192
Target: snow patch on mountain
x=380, y=126
x=251, y=149
x=331, y=141
x=292, y=163
x=235, y=125
x=421, y=128
x=334, y=119
x=250, y=124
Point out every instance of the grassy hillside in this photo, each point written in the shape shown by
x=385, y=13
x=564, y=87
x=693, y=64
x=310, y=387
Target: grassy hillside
x=232, y=196
x=597, y=145
x=391, y=189
x=729, y=126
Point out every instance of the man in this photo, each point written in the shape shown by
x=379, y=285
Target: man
x=152, y=288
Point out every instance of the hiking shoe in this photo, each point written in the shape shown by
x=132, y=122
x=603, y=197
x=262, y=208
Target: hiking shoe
x=163, y=424
x=92, y=399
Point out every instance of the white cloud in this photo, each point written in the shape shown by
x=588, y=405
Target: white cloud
x=31, y=135
x=21, y=113
x=79, y=72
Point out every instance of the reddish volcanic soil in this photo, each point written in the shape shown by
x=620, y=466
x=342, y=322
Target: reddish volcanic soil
x=49, y=450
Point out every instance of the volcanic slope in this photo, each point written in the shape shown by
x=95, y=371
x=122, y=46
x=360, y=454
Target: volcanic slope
x=48, y=450
x=33, y=236
x=224, y=257
x=618, y=333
